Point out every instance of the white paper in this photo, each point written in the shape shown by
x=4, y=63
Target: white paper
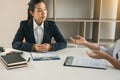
x=47, y=54
x=89, y=62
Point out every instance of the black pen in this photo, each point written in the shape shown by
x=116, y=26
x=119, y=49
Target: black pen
x=28, y=59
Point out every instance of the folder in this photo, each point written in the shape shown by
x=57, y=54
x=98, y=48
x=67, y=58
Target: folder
x=44, y=56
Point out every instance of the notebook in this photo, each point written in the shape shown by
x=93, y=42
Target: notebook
x=13, y=59
x=14, y=66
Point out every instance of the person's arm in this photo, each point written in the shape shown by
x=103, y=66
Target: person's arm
x=113, y=61
x=60, y=41
x=102, y=55
x=18, y=39
x=81, y=41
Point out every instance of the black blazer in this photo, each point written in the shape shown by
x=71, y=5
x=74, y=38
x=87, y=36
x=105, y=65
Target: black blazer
x=26, y=32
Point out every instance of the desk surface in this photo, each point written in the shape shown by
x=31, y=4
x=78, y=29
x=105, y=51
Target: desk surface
x=54, y=70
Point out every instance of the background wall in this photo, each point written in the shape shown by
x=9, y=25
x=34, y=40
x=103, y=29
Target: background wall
x=109, y=10
x=78, y=9
x=11, y=13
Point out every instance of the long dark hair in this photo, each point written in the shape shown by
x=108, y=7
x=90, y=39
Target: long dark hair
x=31, y=7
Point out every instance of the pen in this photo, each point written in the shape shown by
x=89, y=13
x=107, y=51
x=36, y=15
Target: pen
x=28, y=59
x=49, y=58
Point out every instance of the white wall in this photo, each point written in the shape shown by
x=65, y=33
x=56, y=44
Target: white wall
x=11, y=13
x=84, y=9
x=73, y=9
x=109, y=10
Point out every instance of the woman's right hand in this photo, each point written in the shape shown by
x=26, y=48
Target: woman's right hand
x=97, y=54
x=80, y=40
x=41, y=47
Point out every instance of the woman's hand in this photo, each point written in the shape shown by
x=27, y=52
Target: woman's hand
x=42, y=47
x=102, y=55
x=97, y=54
x=80, y=40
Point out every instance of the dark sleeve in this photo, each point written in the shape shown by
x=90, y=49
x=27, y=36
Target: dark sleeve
x=19, y=37
x=60, y=41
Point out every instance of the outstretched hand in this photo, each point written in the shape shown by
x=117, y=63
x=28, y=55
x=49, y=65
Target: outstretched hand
x=80, y=40
x=97, y=54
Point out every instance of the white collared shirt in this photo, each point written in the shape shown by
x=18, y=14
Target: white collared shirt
x=38, y=30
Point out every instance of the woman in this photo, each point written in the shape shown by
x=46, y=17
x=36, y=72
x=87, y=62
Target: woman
x=111, y=54
x=36, y=33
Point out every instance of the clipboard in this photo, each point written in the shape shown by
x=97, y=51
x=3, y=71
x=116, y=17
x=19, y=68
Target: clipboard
x=85, y=62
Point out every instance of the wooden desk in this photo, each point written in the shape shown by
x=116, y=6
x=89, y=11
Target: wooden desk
x=54, y=70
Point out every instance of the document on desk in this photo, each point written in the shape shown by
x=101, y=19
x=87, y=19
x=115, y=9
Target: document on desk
x=44, y=56
x=85, y=62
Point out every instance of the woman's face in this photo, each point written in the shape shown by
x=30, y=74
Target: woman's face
x=40, y=13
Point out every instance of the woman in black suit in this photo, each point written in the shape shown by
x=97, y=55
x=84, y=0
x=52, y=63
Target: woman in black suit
x=36, y=33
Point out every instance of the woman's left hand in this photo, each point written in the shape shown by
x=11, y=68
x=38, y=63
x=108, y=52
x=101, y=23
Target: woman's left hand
x=46, y=47
x=97, y=54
